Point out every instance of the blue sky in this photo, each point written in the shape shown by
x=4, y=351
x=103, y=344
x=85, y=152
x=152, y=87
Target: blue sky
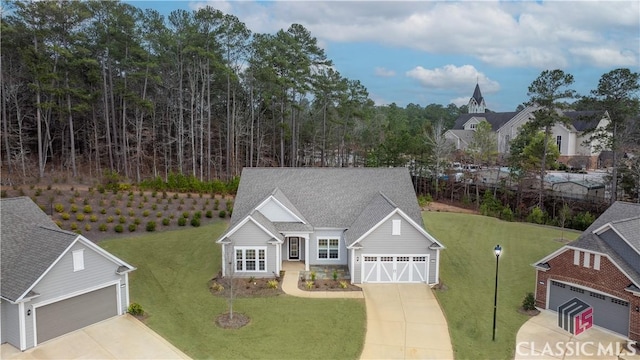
x=425, y=52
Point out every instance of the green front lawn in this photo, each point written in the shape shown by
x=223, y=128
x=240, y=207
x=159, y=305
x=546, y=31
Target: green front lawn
x=171, y=285
x=467, y=268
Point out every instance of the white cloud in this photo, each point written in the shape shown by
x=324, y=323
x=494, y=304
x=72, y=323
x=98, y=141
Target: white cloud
x=499, y=33
x=453, y=78
x=459, y=101
x=382, y=72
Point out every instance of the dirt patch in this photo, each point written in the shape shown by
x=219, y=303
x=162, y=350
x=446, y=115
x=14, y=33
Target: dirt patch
x=238, y=320
x=449, y=207
x=245, y=287
x=327, y=285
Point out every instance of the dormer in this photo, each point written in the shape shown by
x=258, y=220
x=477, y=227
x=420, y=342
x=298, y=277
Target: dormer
x=472, y=124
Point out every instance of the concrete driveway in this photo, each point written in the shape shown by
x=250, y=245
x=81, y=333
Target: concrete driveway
x=540, y=338
x=121, y=337
x=404, y=321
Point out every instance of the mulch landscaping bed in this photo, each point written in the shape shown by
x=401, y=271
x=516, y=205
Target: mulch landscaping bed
x=327, y=285
x=244, y=287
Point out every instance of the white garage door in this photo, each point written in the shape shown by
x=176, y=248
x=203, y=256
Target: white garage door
x=395, y=268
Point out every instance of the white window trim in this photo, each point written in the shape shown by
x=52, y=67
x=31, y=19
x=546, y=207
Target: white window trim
x=78, y=260
x=395, y=227
x=244, y=259
x=576, y=257
x=328, y=248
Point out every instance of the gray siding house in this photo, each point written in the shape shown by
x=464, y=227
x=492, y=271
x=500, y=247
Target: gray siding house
x=365, y=218
x=53, y=281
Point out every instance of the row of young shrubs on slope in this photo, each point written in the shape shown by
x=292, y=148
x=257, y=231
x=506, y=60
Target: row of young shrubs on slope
x=491, y=206
x=176, y=183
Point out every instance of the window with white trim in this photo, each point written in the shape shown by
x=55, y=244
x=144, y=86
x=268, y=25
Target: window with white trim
x=395, y=227
x=251, y=259
x=329, y=249
x=78, y=260
x=576, y=257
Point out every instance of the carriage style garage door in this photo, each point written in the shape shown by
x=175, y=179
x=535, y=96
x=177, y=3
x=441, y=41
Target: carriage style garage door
x=394, y=268
x=608, y=312
x=74, y=313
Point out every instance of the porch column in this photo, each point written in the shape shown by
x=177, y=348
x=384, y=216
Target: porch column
x=306, y=253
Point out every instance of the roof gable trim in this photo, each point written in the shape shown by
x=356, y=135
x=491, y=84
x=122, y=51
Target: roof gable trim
x=242, y=223
x=281, y=205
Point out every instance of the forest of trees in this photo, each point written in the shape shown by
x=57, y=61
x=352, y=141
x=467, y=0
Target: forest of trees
x=96, y=86
x=102, y=88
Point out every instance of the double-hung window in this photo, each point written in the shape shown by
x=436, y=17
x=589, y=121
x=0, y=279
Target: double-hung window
x=328, y=249
x=251, y=259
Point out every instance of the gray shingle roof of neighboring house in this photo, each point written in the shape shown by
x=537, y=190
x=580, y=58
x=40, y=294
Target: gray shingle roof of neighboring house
x=497, y=120
x=625, y=218
x=584, y=120
x=465, y=135
x=30, y=243
x=326, y=197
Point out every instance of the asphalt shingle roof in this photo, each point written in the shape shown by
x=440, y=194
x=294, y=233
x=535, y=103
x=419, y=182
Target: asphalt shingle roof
x=625, y=218
x=29, y=244
x=379, y=207
x=497, y=120
x=326, y=197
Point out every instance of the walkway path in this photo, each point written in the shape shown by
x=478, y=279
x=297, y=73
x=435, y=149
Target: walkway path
x=404, y=321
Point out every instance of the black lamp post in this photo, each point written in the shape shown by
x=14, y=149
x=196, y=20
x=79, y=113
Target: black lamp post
x=497, y=250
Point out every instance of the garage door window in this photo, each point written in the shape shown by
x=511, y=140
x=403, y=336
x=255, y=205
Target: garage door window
x=328, y=249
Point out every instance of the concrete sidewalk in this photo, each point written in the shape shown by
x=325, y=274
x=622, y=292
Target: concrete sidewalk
x=121, y=337
x=290, y=286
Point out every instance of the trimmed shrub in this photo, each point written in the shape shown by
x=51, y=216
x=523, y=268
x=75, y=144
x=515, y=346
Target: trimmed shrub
x=529, y=302
x=132, y=227
x=132, y=213
x=80, y=217
x=118, y=212
x=118, y=228
x=222, y=214
x=65, y=216
x=58, y=208
x=74, y=209
x=159, y=214
x=136, y=221
x=87, y=209
x=87, y=227
x=151, y=226
x=103, y=211
x=145, y=213
x=135, y=309
x=73, y=226
x=195, y=222
x=182, y=221
x=209, y=214
x=122, y=219
x=102, y=227
x=59, y=223
x=166, y=221
x=186, y=214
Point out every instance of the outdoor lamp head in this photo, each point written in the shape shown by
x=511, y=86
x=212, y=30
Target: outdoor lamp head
x=497, y=250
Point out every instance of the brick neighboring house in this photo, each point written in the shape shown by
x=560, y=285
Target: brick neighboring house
x=601, y=268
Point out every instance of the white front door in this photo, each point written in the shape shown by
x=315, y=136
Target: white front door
x=395, y=268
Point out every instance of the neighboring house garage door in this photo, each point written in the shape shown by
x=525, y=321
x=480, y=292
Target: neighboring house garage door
x=77, y=312
x=395, y=268
x=608, y=312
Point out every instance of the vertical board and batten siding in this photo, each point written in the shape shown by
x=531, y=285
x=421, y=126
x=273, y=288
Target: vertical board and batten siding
x=313, y=247
x=620, y=246
x=410, y=241
x=274, y=212
x=250, y=235
x=10, y=324
x=61, y=280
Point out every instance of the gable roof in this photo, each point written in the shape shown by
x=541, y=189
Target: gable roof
x=31, y=243
x=624, y=218
x=378, y=208
x=584, y=120
x=325, y=197
x=496, y=119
